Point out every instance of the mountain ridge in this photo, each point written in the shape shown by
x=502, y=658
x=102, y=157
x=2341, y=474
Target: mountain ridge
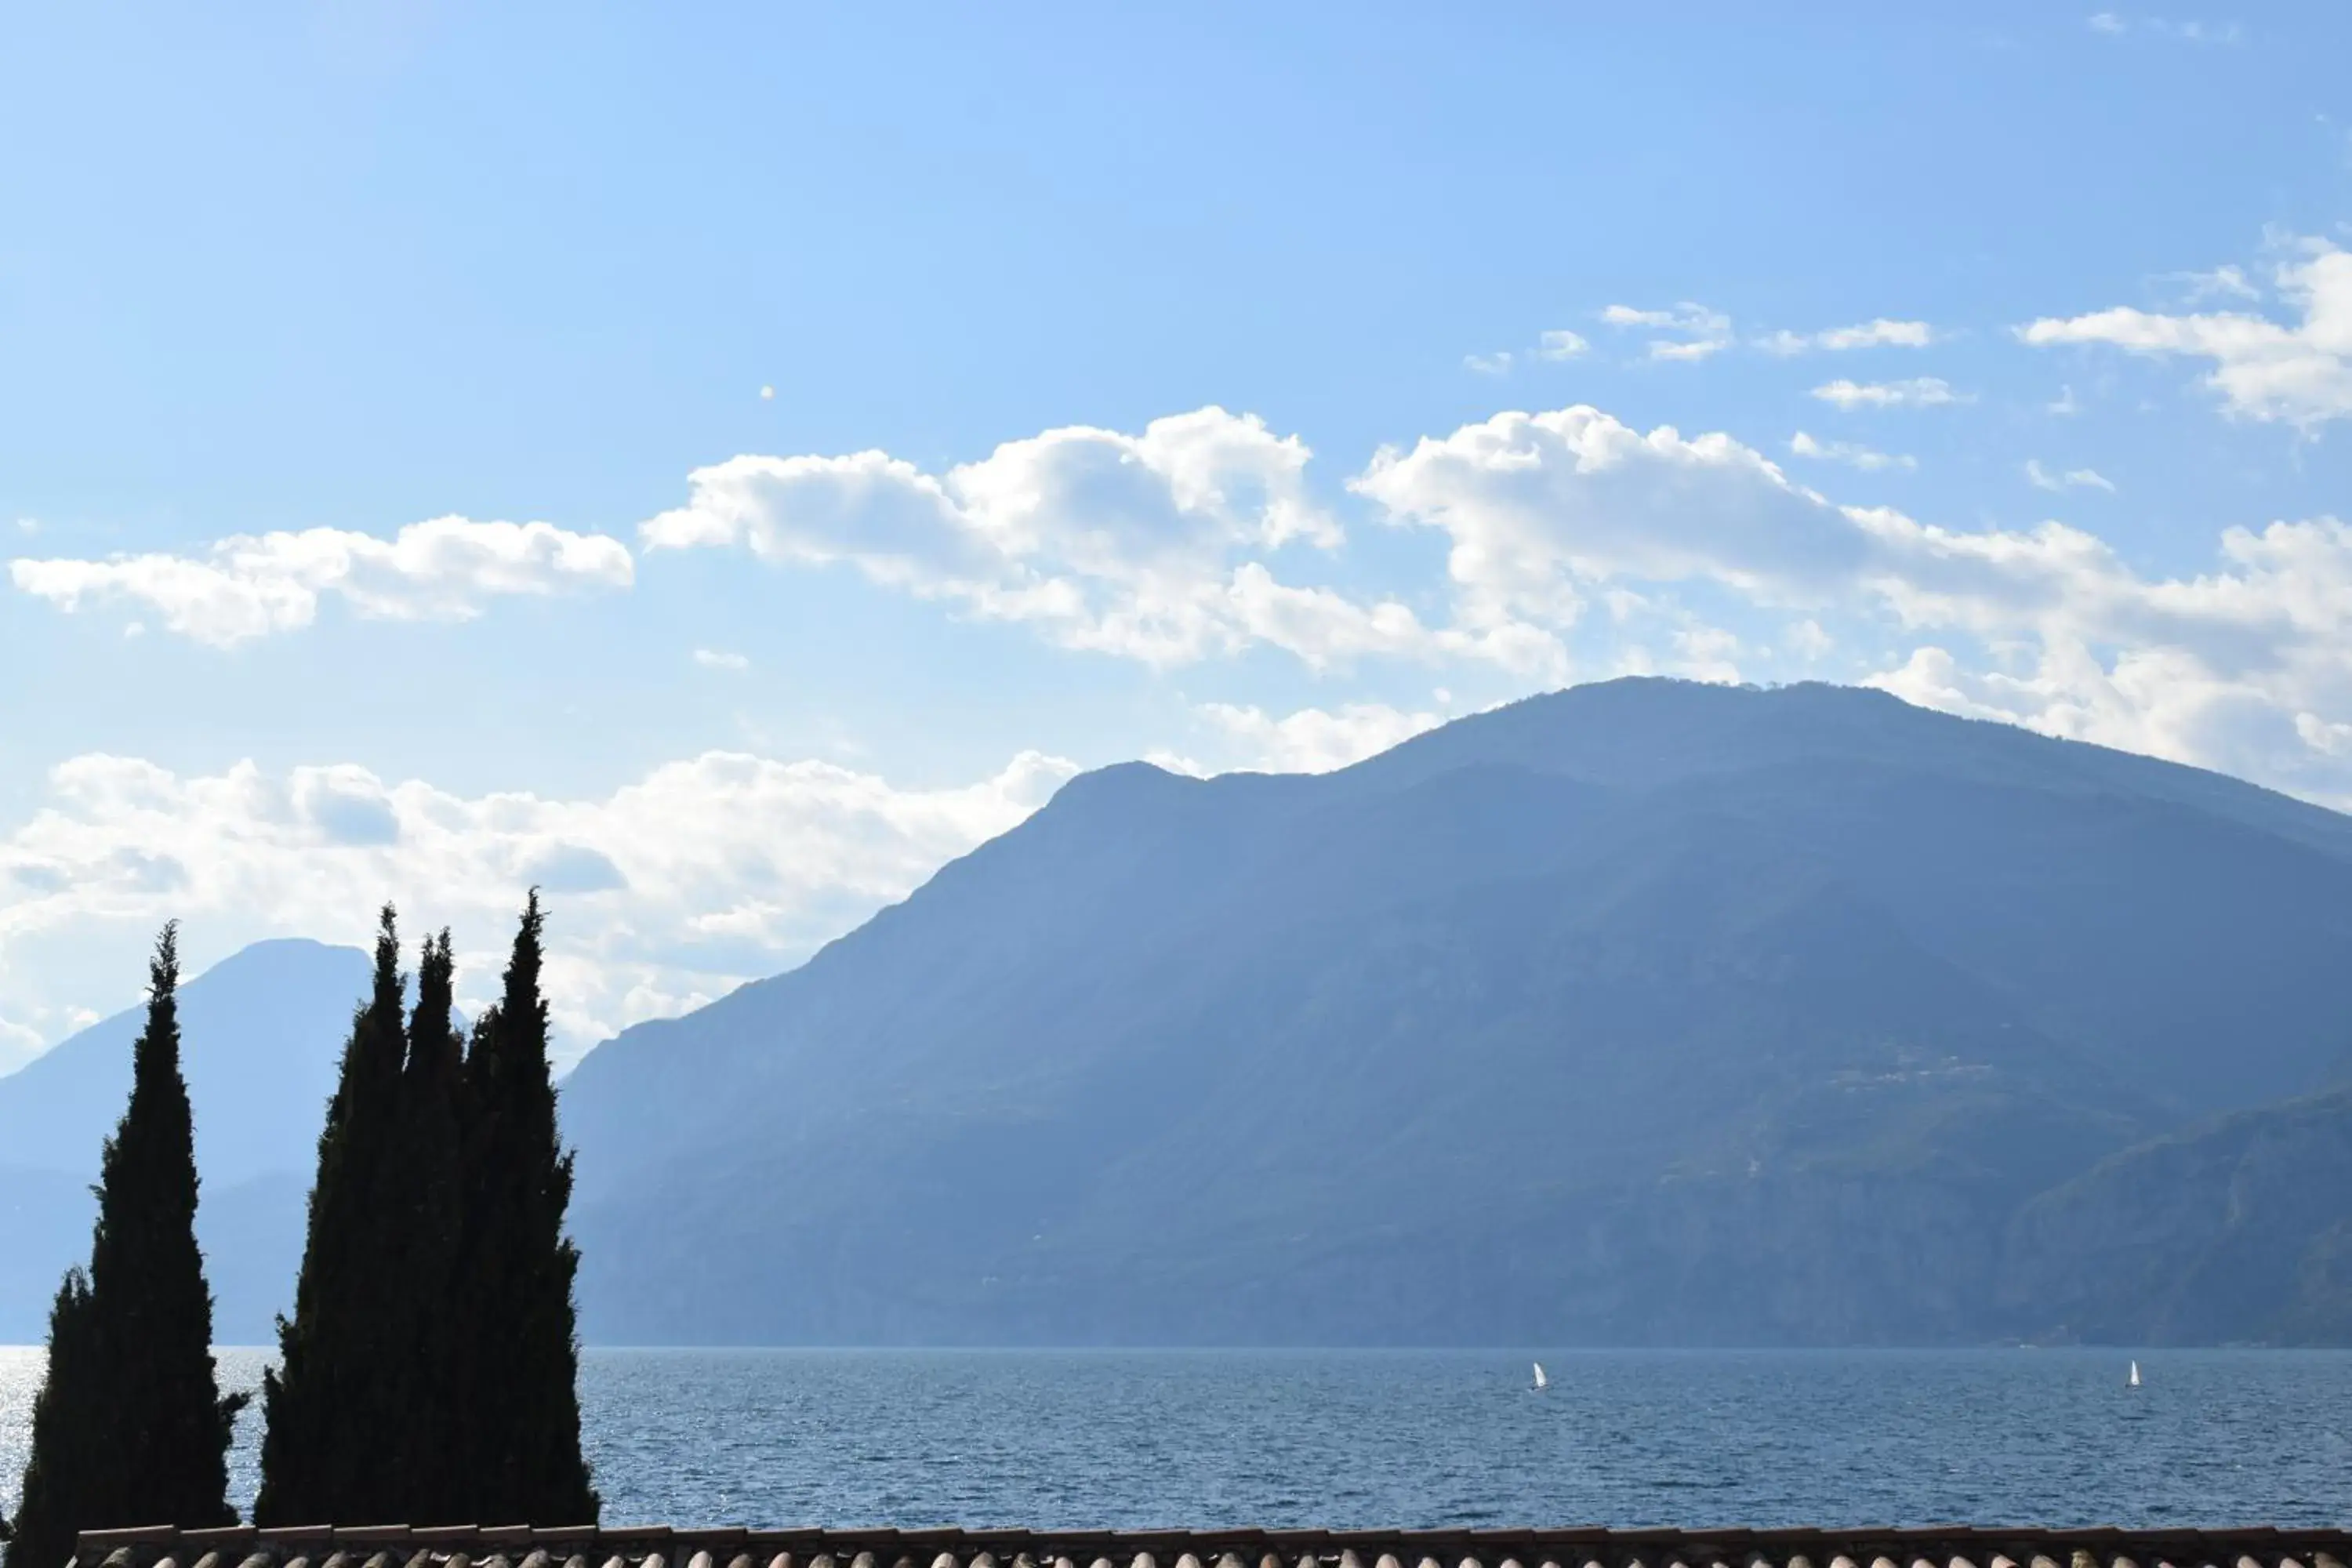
x=1608, y=909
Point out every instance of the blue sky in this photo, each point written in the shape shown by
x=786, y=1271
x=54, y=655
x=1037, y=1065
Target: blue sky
x=1242, y=386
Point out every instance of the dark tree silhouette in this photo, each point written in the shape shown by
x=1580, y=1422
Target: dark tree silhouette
x=344, y=1384
x=519, y=1267
x=129, y=1426
x=427, y=1216
x=428, y=1371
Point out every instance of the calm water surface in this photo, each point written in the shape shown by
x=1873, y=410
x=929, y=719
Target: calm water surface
x=1421, y=1438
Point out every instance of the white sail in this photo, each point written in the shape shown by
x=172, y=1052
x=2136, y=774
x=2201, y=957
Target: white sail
x=2133, y=1381
x=1541, y=1381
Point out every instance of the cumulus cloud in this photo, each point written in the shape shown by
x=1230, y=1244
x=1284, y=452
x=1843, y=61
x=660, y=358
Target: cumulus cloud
x=1150, y=546
x=2045, y=478
x=252, y=586
x=1536, y=504
x=1919, y=392
x=714, y=658
x=1560, y=343
x=1697, y=331
x=668, y=892
x=2048, y=626
x=2299, y=372
x=1851, y=453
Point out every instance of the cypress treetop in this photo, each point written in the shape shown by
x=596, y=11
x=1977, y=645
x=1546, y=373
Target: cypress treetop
x=428, y=1371
x=342, y=1385
x=519, y=1265
x=425, y=1217
x=129, y=1426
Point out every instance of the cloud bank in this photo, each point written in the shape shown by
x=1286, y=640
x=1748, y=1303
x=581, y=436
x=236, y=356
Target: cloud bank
x=249, y=586
x=670, y=891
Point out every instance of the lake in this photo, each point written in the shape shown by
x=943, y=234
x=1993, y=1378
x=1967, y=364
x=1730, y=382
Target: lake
x=1137, y=1438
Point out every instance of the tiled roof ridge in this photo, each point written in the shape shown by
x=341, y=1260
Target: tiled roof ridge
x=660, y=1546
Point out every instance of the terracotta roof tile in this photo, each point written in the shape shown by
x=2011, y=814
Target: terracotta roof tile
x=660, y=1546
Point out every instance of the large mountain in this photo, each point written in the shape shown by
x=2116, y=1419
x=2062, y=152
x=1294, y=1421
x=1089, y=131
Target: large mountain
x=1643, y=1011
x=261, y=1032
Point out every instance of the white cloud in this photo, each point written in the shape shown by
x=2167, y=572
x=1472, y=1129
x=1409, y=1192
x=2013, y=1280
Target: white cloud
x=2064, y=403
x=2227, y=282
x=1314, y=740
x=2045, y=478
x=1691, y=349
x=713, y=659
x=29, y=525
x=1880, y=332
x=1537, y=503
x=1919, y=392
x=2186, y=32
x=1852, y=453
x=664, y=894
x=1150, y=546
x=2263, y=369
x=251, y=585
x=2047, y=627
x=1700, y=331
x=767, y=394
x=1808, y=640
x=1551, y=347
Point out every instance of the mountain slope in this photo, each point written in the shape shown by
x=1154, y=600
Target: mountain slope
x=2237, y=1230
x=1641, y=1012
x=263, y=1028
x=261, y=1032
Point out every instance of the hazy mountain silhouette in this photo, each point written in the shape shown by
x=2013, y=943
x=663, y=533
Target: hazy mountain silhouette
x=1641, y=1012
x=261, y=1031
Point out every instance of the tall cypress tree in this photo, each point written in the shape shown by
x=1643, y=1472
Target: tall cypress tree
x=519, y=1267
x=129, y=1426
x=343, y=1382
x=432, y=1447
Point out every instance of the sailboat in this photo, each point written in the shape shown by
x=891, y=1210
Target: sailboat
x=2133, y=1381
x=1543, y=1382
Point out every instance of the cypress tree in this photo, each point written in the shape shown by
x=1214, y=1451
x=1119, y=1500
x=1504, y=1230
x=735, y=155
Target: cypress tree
x=129, y=1426
x=343, y=1386
x=431, y=1447
x=519, y=1267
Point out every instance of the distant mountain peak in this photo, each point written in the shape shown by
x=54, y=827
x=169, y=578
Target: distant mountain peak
x=1600, y=1001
